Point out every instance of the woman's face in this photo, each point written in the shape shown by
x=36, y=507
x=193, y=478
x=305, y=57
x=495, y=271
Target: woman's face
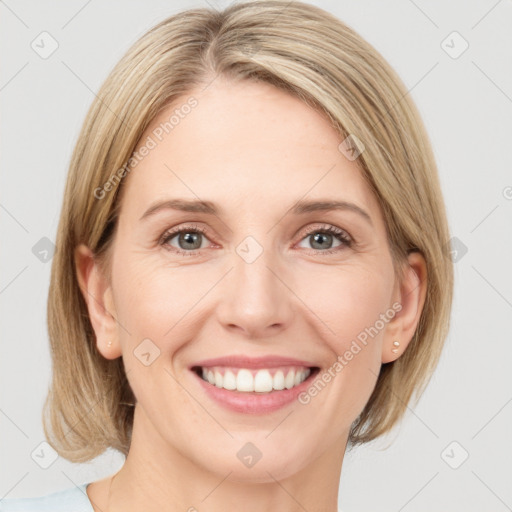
x=255, y=273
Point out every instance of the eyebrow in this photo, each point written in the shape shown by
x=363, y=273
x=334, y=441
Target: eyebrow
x=209, y=208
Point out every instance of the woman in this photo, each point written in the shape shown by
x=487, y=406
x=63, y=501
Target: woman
x=251, y=274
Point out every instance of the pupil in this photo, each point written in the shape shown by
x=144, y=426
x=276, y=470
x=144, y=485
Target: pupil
x=190, y=238
x=320, y=236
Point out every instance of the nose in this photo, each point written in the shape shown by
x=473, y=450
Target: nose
x=255, y=299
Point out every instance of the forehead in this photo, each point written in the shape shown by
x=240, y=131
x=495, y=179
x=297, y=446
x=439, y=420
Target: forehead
x=243, y=145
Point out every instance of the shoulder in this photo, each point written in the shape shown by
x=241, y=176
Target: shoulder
x=74, y=499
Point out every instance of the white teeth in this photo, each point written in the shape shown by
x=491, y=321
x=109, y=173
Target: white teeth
x=244, y=381
x=289, y=380
x=229, y=381
x=278, y=380
x=261, y=382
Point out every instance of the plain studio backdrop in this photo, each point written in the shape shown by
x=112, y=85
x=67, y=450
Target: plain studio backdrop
x=453, y=450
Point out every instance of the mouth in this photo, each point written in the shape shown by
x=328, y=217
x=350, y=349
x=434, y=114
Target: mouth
x=256, y=380
x=253, y=385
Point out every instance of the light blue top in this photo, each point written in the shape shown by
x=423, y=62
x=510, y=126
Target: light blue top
x=74, y=499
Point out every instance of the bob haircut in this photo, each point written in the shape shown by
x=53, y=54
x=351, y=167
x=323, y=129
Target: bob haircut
x=312, y=55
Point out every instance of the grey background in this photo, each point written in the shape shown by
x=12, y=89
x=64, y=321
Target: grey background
x=466, y=103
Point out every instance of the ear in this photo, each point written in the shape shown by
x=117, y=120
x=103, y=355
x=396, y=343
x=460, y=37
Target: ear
x=97, y=293
x=410, y=294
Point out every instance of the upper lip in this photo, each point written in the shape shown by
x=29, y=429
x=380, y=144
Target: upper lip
x=238, y=361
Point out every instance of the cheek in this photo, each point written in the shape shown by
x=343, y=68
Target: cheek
x=155, y=302
x=349, y=301
x=152, y=297
x=164, y=304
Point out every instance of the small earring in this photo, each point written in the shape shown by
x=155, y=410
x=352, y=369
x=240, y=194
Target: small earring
x=396, y=344
x=109, y=343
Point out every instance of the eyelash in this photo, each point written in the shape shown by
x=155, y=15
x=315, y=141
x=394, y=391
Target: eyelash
x=340, y=234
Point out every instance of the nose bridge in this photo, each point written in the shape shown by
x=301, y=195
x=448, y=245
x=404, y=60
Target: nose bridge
x=257, y=287
x=255, y=299
x=252, y=269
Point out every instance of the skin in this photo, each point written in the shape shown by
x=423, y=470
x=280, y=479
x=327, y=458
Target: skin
x=254, y=151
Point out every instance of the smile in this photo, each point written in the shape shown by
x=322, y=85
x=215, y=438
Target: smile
x=264, y=380
x=256, y=390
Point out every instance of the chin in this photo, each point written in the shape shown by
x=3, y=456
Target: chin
x=257, y=462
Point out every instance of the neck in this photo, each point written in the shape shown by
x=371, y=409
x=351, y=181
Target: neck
x=158, y=476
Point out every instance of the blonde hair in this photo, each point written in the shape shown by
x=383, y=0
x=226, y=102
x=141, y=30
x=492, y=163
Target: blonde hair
x=311, y=54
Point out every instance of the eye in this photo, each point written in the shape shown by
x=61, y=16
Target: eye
x=321, y=239
x=188, y=240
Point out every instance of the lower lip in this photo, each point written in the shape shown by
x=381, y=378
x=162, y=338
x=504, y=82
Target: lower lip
x=251, y=402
